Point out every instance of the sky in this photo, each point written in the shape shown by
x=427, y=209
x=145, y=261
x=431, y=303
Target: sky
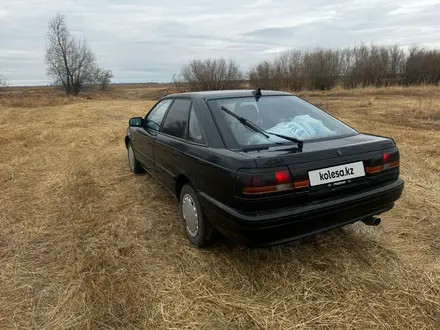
x=142, y=41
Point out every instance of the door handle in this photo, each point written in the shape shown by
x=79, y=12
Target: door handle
x=150, y=143
x=176, y=155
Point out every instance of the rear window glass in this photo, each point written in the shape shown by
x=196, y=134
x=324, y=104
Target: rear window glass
x=286, y=115
x=194, y=128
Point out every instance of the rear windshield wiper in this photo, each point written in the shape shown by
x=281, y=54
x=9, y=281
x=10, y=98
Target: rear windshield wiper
x=257, y=129
x=246, y=122
x=289, y=138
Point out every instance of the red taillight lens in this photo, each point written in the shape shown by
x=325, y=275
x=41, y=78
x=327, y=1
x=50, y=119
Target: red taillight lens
x=389, y=160
x=265, y=183
x=282, y=176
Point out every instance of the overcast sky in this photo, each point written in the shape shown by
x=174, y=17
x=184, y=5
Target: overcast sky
x=150, y=40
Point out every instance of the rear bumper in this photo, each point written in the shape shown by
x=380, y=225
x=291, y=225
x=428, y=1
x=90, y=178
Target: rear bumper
x=283, y=225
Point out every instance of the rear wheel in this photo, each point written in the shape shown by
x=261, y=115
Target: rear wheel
x=135, y=166
x=197, y=228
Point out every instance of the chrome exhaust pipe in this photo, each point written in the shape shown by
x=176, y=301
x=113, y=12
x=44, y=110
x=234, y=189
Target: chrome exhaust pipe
x=372, y=221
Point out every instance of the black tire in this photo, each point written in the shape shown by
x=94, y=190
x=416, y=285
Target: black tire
x=133, y=163
x=202, y=236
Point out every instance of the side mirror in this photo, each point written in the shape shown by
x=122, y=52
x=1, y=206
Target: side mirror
x=136, y=122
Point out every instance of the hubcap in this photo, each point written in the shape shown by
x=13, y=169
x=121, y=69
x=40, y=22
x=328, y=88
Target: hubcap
x=190, y=215
x=131, y=159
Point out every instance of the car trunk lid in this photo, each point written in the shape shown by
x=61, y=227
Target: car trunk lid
x=324, y=169
x=328, y=150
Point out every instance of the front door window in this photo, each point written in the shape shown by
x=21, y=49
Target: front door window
x=156, y=115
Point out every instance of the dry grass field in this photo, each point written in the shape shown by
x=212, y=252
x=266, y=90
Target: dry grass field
x=85, y=244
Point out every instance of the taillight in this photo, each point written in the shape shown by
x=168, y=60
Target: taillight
x=302, y=184
x=265, y=183
x=282, y=176
x=389, y=160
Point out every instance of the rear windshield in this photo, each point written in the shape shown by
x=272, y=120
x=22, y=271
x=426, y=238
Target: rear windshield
x=286, y=115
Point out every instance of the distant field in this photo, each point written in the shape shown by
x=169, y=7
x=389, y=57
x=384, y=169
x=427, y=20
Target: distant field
x=85, y=244
x=40, y=96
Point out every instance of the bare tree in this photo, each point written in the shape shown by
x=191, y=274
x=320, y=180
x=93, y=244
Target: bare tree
x=102, y=78
x=422, y=66
x=298, y=70
x=70, y=63
x=3, y=81
x=322, y=67
x=212, y=74
x=263, y=76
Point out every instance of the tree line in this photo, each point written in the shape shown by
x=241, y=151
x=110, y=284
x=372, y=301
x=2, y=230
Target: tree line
x=72, y=65
x=321, y=69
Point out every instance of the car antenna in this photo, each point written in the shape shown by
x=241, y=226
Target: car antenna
x=257, y=94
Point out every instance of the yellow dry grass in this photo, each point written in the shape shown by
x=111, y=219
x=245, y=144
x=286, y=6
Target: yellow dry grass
x=85, y=244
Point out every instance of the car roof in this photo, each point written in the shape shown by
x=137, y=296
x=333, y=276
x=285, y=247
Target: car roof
x=208, y=95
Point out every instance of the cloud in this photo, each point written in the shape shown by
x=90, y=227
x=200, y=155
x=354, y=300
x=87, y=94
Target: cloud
x=407, y=7
x=150, y=41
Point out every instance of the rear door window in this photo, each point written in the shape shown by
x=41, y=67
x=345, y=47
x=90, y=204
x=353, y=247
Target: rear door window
x=176, y=121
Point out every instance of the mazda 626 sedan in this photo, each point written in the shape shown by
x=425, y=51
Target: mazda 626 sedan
x=262, y=167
